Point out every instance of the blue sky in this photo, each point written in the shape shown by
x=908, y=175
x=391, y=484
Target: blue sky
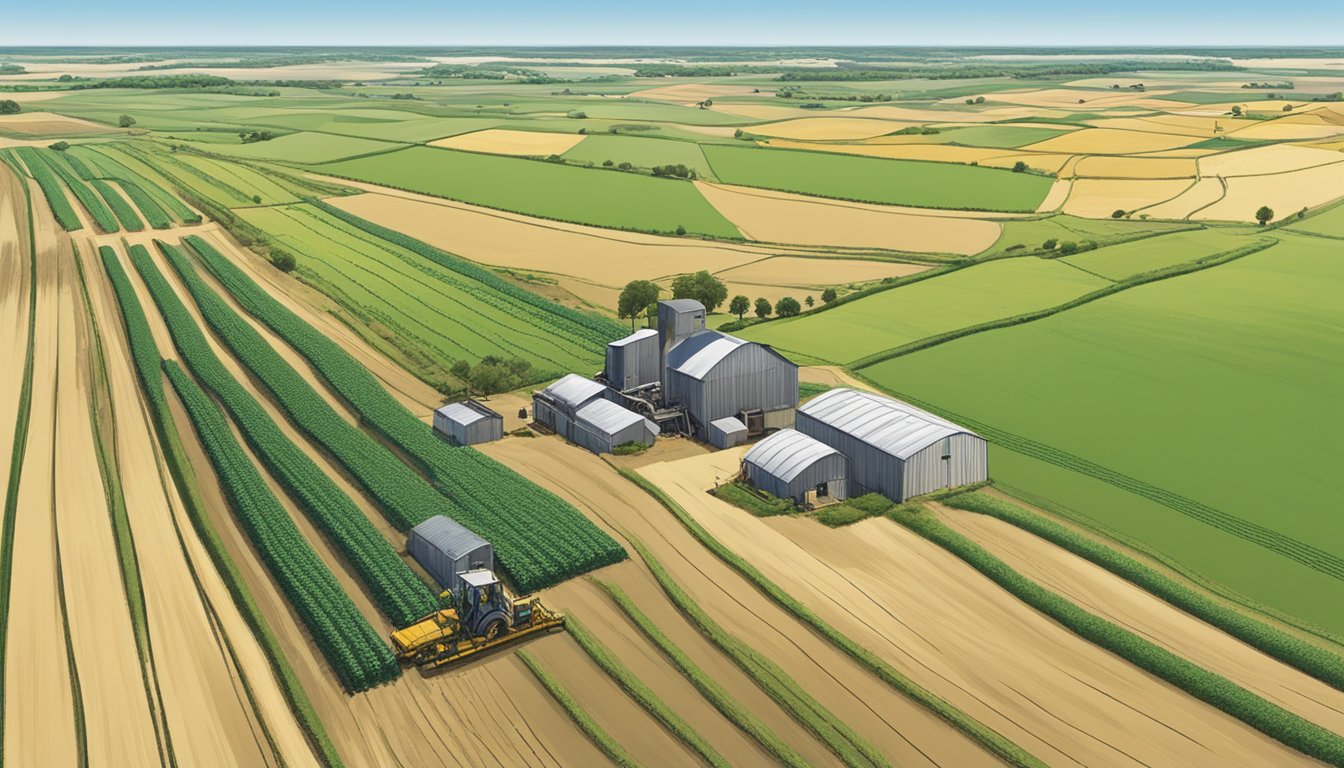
x=685, y=22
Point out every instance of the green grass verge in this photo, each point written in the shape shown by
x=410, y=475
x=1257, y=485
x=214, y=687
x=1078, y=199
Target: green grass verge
x=1293, y=651
x=1215, y=690
x=641, y=693
x=579, y=715
x=853, y=510
x=988, y=738
x=852, y=749
x=708, y=687
x=758, y=503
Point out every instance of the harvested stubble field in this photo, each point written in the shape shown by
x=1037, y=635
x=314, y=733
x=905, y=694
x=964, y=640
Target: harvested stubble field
x=498, y=141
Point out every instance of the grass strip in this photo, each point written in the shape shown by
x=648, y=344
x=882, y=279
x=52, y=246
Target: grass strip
x=1217, y=691
x=145, y=356
x=843, y=741
x=641, y=693
x=708, y=687
x=122, y=209
x=996, y=743
x=579, y=715
x=1293, y=651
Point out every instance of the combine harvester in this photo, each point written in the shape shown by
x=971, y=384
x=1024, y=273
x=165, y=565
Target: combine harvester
x=478, y=615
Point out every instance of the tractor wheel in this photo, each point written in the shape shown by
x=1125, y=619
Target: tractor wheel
x=493, y=630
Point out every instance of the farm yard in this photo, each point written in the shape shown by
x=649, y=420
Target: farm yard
x=362, y=408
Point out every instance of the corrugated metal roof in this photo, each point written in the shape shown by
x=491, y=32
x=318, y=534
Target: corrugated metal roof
x=892, y=426
x=610, y=418
x=461, y=413
x=787, y=452
x=573, y=389
x=448, y=536
x=697, y=354
x=683, y=305
x=642, y=333
x=729, y=425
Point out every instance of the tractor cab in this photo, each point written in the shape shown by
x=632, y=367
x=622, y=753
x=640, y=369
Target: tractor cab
x=484, y=607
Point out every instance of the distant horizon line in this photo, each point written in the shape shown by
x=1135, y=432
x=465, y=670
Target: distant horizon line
x=760, y=46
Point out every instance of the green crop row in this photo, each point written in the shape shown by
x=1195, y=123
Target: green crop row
x=641, y=693
x=852, y=749
x=140, y=188
x=145, y=358
x=1263, y=715
x=1295, y=652
x=540, y=539
x=102, y=215
x=355, y=651
x=51, y=187
x=399, y=593
x=609, y=746
x=990, y=739
x=708, y=687
x=123, y=210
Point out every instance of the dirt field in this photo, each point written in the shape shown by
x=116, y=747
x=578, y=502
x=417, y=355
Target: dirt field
x=1059, y=192
x=829, y=128
x=1108, y=141
x=960, y=635
x=1205, y=192
x=46, y=123
x=1119, y=601
x=1286, y=193
x=781, y=217
x=498, y=141
x=1259, y=161
x=1135, y=168
x=15, y=280
x=1098, y=198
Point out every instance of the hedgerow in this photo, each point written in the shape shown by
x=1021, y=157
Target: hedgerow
x=1263, y=715
x=102, y=215
x=51, y=187
x=123, y=210
x=399, y=594
x=539, y=539
x=347, y=641
x=1295, y=652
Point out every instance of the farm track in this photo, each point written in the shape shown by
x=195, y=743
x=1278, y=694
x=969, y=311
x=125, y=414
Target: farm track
x=1106, y=595
x=902, y=731
x=963, y=638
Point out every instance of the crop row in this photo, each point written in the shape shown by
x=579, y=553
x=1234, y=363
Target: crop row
x=123, y=210
x=102, y=215
x=590, y=727
x=139, y=188
x=352, y=647
x=1311, y=659
x=1259, y=713
x=539, y=538
x=51, y=187
x=399, y=593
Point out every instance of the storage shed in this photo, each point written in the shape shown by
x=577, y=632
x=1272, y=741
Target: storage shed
x=445, y=549
x=468, y=422
x=556, y=405
x=791, y=465
x=727, y=432
x=633, y=361
x=601, y=425
x=894, y=448
x=715, y=375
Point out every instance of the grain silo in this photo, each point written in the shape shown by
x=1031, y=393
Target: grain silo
x=445, y=549
x=791, y=465
x=633, y=361
x=601, y=425
x=468, y=422
x=714, y=375
x=894, y=448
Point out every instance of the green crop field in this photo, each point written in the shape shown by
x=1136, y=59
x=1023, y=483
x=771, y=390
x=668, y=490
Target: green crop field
x=586, y=196
x=640, y=151
x=1118, y=262
x=1188, y=415
x=301, y=147
x=1329, y=223
x=878, y=180
x=900, y=315
x=999, y=136
x=1032, y=233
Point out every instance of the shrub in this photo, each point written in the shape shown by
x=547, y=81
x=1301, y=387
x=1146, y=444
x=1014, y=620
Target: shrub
x=1118, y=213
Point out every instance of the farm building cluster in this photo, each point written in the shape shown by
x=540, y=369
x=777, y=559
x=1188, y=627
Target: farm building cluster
x=683, y=378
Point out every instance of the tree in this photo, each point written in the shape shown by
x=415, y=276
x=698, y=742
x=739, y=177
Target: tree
x=763, y=308
x=1118, y=213
x=739, y=306
x=828, y=295
x=125, y=121
x=970, y=101
x=787, y=307
x=1019, y=166
x=461, y=369
x=607, y=163
x=283, y=260
x=703, y=287
x=1264, y=215
x=64, y=78
x=1049, y=245
x=680, y=230
x=1236, y=111
x=60, y=146
x=9, y=107
x=637, y=296
x=1067, y=247
x=979, y=99
x=809, y=301
x=1287, y=107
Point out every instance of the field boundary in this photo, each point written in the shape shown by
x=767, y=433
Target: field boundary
x=603, y=740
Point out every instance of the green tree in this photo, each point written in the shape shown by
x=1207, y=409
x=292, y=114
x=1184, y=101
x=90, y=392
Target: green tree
x=787, y=307
x=809, y=301
x=637, y=296
x=680, y=230
x=1019, y=166
x=763, y=308
x=1264, y=215
x=64, y=78
x=1236, y=111
x=703, y=287
x=125, y=121
x=1067, y=247
x=9, y=107
x=828, y=295
x=60, y=146
x=739, y=306
x=979, y=99
x=461, y=369
x=1049, y=245
x=1118, y=213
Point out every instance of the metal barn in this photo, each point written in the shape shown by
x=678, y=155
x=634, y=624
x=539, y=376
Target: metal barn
x=601, y=425
x=716, y=375
x=894, y=448
x=468, y=422
x=633, y=361
x=445, y=549
x=727, y=432
x=556, y=405
x=791, y=465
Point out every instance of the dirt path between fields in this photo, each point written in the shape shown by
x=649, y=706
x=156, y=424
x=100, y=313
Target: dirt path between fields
x=15, y=282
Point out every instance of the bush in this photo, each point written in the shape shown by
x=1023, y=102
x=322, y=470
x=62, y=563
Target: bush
x=282, y=259
x=60, y=146
x=1118, y=213
x=1049, y=245
x=1019, y=166
x=1067, y=247
x=630, y=449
